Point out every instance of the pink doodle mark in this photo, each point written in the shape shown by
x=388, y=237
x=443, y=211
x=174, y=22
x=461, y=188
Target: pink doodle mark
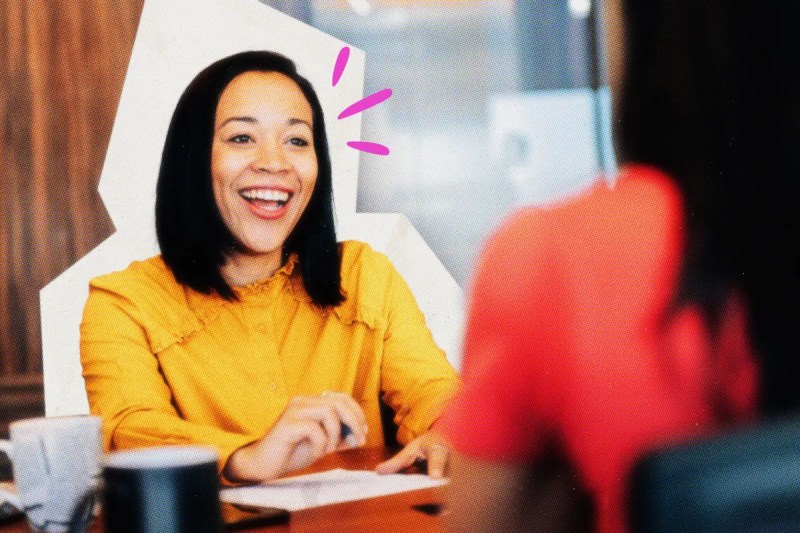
x=362, y=105
x=372, y=148
x=365, y=103
x=341, y=64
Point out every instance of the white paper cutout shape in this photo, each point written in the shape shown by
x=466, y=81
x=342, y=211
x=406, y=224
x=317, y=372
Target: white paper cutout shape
x=176, y=39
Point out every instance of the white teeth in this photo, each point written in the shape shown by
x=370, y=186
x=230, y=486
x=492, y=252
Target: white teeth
x=267, y=195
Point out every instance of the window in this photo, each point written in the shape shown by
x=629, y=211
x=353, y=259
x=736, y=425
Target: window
x=492, y=109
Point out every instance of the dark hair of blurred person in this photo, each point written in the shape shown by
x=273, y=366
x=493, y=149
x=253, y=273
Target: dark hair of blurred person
x=194, y=240
x=711, y=96
x=657, y=309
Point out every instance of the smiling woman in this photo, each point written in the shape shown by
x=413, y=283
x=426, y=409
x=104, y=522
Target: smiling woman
x=254, y=331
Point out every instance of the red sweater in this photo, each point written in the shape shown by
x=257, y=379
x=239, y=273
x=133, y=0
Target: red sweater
x=569, y=336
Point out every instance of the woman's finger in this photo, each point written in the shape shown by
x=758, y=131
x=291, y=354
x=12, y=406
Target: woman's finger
x=438, y=457
x=328, y=418
x=403, y=459
x=310, y=444
x=350, y=414
x=323, y=413
x=354, y=407
x=334, y=411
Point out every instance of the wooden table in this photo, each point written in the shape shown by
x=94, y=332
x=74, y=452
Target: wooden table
x=383, y=514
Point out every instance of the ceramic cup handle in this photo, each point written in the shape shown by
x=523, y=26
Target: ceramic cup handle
x=7, y=447
x=7, y=495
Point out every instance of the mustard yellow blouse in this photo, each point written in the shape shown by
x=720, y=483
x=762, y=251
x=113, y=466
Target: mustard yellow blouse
x=164, y=364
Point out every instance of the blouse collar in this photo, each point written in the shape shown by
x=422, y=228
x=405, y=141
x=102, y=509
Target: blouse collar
x=208, y=306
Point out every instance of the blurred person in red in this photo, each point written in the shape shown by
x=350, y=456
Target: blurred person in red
x=658, y=306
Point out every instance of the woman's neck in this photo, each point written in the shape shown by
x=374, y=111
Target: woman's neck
x=243, y=269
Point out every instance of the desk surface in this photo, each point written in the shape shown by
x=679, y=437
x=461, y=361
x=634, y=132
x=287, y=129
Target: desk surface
x=386, y=513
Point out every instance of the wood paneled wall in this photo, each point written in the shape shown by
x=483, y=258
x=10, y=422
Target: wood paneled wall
x=62, y=65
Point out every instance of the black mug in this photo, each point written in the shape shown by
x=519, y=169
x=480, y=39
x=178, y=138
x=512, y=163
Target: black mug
x=170, y=489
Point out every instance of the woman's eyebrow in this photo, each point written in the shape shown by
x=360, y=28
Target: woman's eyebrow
x=250, y=120
x=294, y=121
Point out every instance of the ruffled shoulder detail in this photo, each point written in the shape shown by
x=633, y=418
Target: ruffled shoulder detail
x=148, y=291
x=367, y=278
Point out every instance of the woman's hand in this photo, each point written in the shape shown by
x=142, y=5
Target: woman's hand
x=310, y=427
x=429, y=446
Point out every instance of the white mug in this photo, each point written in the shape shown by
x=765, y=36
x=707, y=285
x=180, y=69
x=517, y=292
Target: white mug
x=56, y=463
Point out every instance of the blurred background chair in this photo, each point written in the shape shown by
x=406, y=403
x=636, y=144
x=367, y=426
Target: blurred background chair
x=744, y=481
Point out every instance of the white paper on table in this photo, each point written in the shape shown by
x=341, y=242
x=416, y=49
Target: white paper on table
x=324, y=488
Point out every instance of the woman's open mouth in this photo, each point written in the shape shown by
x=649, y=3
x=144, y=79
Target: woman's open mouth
x=267, y=203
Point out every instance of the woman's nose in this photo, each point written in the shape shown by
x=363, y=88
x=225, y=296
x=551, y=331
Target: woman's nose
x=270, y=158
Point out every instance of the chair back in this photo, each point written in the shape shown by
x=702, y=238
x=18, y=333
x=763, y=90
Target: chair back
x=744, y=481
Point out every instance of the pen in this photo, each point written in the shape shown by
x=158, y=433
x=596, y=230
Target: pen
x=346, y=434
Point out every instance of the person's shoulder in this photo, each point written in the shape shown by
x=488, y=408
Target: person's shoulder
x=138, y=274
x=638, y=200
x=639, y=195
x=367, y=277
x=357, y=256
x=146, y=283
x=148, y=292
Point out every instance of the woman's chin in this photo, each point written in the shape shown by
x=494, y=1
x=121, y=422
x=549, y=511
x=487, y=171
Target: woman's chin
x=258, y=250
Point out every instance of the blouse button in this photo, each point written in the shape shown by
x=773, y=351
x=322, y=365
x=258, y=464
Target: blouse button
x=273, y=386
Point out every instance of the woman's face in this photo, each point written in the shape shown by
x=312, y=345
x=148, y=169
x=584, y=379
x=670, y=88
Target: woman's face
x=263, y=161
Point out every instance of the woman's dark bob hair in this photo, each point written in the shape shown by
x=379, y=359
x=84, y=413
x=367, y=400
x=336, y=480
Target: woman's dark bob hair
x=195, y=242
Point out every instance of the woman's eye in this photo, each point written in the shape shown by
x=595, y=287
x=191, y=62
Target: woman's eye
x=298, y=141
x=240, y=139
